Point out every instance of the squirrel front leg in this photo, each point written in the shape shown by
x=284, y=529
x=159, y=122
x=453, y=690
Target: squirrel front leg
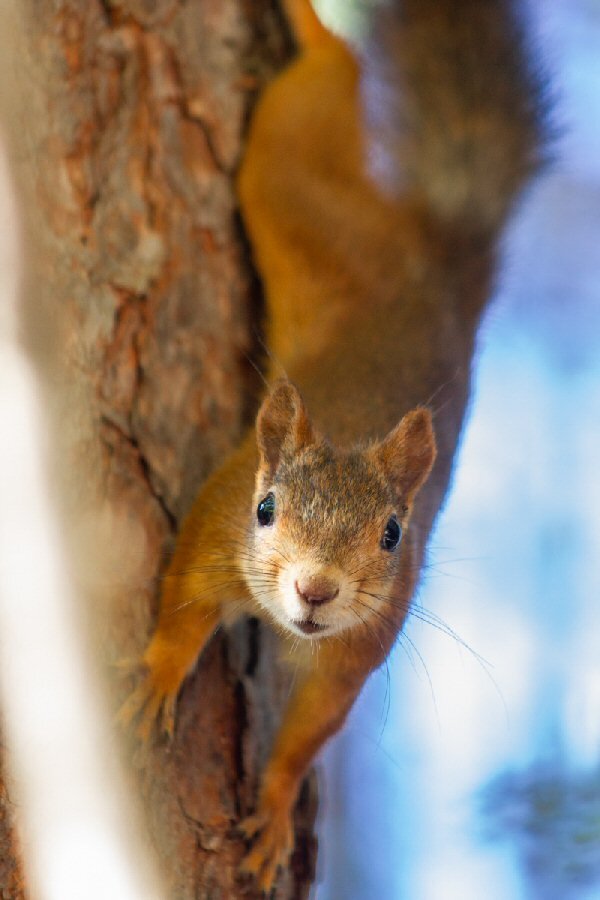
x=184, y=627
x=202, y=585
x=317, y=709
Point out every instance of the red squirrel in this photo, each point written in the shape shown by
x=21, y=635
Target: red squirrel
x=317, y=524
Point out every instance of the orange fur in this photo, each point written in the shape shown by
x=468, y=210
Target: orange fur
x=372, y=305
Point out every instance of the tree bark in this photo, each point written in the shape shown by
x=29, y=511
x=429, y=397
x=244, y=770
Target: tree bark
x=126, y=121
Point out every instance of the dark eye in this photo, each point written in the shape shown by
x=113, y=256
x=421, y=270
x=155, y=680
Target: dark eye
x=391, y=535
x=265, y=511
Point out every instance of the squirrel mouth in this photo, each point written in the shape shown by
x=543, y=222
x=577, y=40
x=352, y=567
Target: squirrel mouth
x=308, y=627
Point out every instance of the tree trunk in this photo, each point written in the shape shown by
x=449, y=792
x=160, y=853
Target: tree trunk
x=125, y=120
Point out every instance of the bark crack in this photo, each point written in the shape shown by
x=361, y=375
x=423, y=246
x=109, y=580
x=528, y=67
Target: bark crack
x=197, y=120
x=253, y=647
x=147, y=472
x=144, y=467
x=241, y=721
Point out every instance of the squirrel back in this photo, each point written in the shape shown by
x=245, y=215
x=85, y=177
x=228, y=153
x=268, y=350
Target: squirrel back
x=374, y=190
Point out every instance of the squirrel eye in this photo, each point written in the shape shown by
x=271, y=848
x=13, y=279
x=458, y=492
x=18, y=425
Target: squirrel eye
x=265, y=511
x=391, y=535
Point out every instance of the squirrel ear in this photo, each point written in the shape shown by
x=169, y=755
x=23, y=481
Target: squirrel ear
x=407, y=453
x=282, y=425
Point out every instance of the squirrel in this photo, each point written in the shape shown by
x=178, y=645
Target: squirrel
x=374, y=286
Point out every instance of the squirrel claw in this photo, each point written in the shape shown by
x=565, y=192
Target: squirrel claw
x=167, y=716
x=271, y=850
x=251, y=825
x=127, y=665
x=152, y=705
x=134, y=704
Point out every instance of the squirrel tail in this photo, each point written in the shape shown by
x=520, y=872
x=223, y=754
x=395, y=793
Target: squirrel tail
x=454, y=105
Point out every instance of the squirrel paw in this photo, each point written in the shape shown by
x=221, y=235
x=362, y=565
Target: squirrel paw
x=272, y=847
x=151, y=702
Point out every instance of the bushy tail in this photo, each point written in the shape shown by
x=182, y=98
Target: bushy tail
x=459, y=105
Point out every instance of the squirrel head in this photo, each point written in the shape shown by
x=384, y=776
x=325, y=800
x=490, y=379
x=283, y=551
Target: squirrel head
x=327, y=524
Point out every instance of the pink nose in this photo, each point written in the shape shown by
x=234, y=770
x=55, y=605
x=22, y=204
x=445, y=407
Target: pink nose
x=316, y=591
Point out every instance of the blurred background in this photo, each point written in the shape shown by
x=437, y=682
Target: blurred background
x=470, y=767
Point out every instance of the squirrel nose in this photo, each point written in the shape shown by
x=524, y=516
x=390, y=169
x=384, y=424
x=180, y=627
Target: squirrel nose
x=316, y=591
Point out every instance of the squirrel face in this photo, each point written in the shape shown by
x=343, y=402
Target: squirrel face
x=327, y=526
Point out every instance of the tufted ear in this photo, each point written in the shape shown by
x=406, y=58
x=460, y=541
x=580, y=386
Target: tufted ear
x=407, y=454
x=282, y=426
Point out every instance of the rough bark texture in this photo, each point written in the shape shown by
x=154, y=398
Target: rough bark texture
x=11, y=875
x=126, y=121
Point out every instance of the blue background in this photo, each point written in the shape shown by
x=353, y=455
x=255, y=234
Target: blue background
x=457, y=778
